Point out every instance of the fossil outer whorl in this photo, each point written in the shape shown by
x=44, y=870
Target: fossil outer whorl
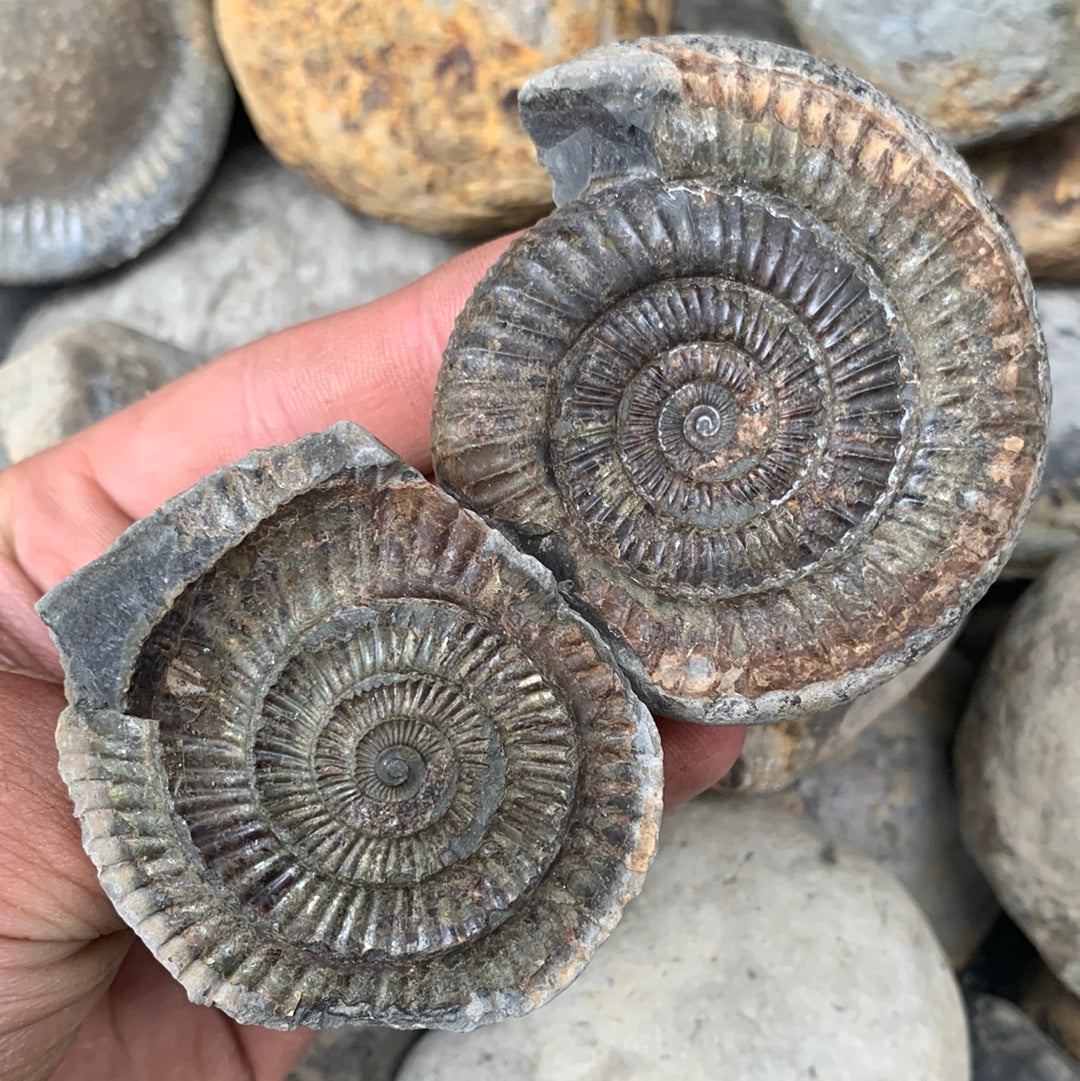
x=767, y=389
x=115, y=115
x=341, y=754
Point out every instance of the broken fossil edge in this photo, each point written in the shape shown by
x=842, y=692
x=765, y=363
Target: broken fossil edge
x=694, y=125
x=149, y=865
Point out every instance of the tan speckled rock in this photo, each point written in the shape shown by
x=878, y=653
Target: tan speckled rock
x=1036, y=182
x=757, y=951
x=1018, y=768
x=408, y=110
x=774, y=756
x=892, y=797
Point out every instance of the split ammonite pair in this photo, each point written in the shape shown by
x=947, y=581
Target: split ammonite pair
x=767, y=395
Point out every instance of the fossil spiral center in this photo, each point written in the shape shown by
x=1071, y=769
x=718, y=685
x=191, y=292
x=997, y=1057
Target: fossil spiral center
x=378, y=771
x=397, y=766
x=706, y=427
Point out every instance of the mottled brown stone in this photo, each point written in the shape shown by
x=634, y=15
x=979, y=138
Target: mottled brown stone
x=408, y=110
x=1036, y=182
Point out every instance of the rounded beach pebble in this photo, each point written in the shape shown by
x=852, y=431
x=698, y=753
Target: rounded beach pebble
x=758, y=950
x=1018, y=768
x=408, y=110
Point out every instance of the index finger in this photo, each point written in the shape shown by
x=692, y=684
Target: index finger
x=375, y=364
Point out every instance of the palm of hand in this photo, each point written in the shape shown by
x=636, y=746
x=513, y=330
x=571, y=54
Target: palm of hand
x=79, y=997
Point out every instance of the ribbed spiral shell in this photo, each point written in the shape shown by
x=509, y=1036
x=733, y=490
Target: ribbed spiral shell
x=356, y=762
x=767, y=390
x=115, y=115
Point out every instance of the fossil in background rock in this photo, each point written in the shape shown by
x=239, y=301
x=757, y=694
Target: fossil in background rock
x=115, y=113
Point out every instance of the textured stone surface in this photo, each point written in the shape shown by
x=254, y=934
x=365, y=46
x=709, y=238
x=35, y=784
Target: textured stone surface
x=774, y=756
x=758, y=950
x=1053, y=525
x=1036, y=182
x=1018, y=768
x=1054, y=1008
x=892, y=797
x=408, y=110
x=709, y=389
x=763, y=20
x=1006, y=1046
x=364, y=1054
x=76, y=378
x=115, y=113
x=341, y=754
x=975, y=69
x=262, y=251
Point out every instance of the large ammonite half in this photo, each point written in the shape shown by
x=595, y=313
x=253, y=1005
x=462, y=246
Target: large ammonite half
x=342, y=754
x=767, y=391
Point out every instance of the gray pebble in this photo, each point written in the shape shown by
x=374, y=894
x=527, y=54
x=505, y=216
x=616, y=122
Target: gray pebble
x=975, y=69
x=892, y=797
x=353, y=1054
x=763, y=20
x=1054, y=522
x=1006, y=1046
x=77, y=377
x=1018, y=768
x=14, y=305
x=759, y=950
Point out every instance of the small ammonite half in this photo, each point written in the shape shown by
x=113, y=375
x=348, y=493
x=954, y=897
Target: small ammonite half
x=342, y=754
x=115, y=113
x=767, y=391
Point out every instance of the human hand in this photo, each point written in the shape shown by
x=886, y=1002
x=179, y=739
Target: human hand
x=78, y=995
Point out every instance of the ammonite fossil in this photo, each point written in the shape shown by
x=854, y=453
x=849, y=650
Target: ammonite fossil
x=342, y=754
x=115, y=114
x=767, y=391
